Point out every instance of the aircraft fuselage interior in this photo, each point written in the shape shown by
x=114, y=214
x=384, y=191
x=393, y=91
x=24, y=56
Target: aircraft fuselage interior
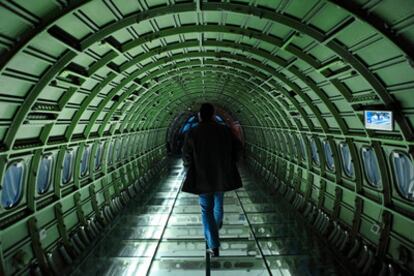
x=96, y=97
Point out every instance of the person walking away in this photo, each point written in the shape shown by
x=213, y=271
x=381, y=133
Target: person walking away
x=210, y=153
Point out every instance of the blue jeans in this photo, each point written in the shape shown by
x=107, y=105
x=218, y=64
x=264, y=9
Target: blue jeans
x=212, y=217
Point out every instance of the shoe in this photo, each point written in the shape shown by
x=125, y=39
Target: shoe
x=214, y=252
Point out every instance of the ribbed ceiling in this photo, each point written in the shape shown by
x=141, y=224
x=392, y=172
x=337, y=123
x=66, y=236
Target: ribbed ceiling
x=114, y=75
x=72, y=69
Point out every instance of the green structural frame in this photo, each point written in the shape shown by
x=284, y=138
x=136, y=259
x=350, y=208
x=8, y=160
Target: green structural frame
x=117, y=76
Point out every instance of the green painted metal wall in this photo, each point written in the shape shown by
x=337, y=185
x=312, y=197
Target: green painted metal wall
x=77, y=73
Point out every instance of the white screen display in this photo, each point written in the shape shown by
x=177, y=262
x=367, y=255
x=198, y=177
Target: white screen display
x=378, y=120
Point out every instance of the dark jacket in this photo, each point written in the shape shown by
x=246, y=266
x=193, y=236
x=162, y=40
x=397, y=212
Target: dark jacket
x=210, y=153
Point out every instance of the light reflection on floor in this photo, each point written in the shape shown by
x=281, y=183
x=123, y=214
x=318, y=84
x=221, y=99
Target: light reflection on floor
x=137, y=245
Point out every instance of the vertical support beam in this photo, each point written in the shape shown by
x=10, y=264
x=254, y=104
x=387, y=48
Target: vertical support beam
x=386, y=182
x=308, y=191
x=385, y=234
x=94, y=203
x=2, y=272
x=62, y=229
x=298, y=180
x=37, y=245
x=357, y=168
x=322, y=191
x=31, y=183
x=356, y=222
x=337, y=203
x=79, y=211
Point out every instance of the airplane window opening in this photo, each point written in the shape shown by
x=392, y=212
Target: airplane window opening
x=98, y=156
x=124, y=148
x=110, y=152
x=12, y=184
x=292, y=139
x=288, y=145
x=330, y=164
x=44, y=174
x=403, y=169
x=297, y=147
x=67, y=166
x=371, y=167
x=302, y=149
x=85, y=160
x=347, y=164
x=282, y=143
x=315, y=153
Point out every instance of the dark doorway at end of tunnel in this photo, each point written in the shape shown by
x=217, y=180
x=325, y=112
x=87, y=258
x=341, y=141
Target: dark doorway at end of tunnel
x=185, y=122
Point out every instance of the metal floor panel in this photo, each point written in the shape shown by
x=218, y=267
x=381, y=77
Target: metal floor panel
x=260, y=236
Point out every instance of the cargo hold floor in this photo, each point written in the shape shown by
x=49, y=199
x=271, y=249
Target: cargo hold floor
x=163, y=235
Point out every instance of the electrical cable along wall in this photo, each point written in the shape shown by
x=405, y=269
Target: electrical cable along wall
x=88, y=90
